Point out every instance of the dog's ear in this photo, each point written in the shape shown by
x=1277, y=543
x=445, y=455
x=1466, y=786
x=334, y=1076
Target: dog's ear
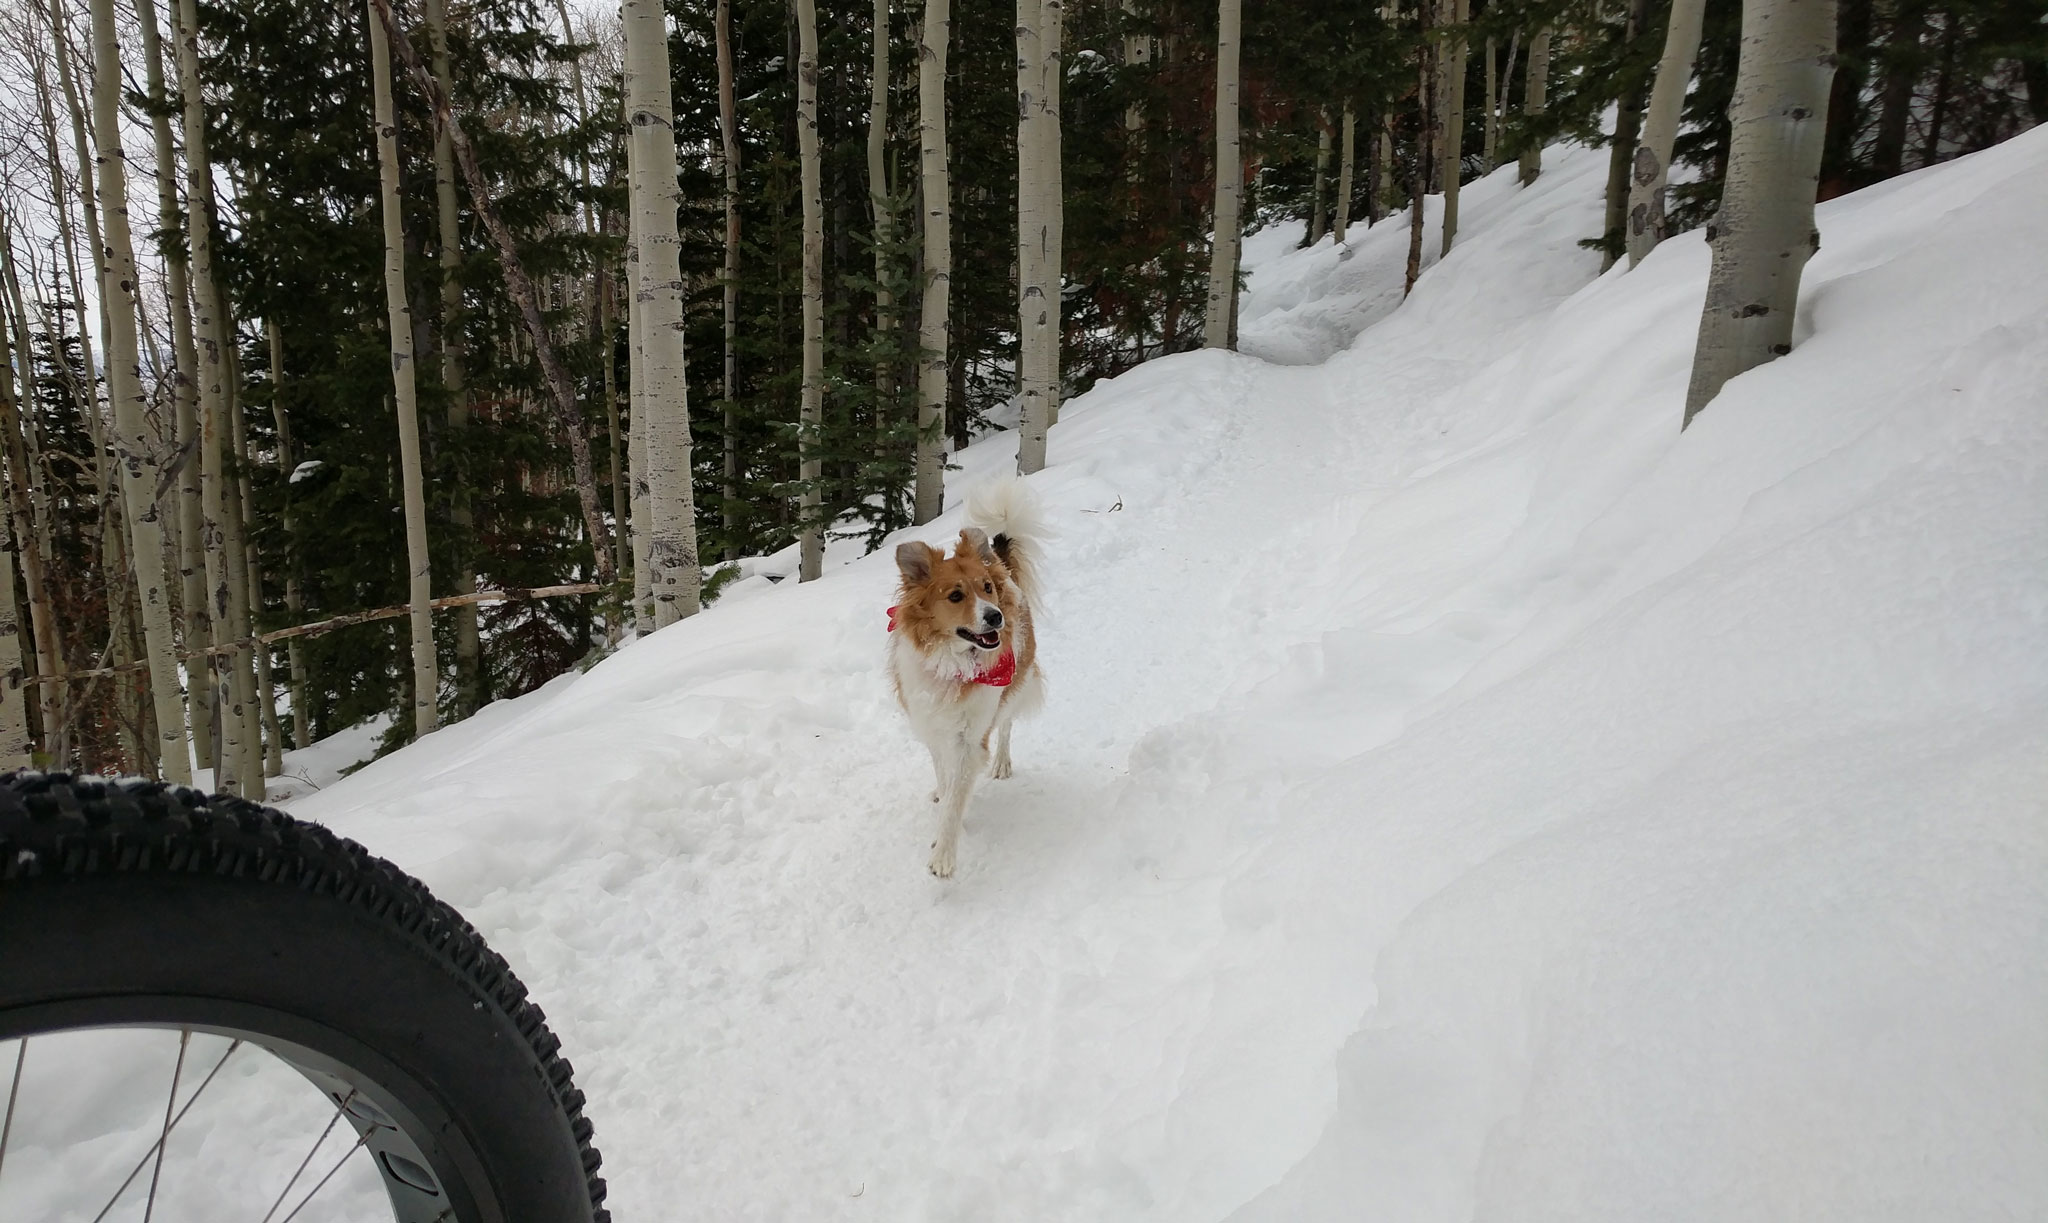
x=914, y=561
x=975, y=540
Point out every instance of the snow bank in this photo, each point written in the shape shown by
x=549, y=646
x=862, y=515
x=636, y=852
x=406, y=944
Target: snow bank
x=1461, y=796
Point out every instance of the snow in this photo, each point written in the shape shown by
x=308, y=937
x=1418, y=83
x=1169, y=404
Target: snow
x=305, y=470
x=1460, y=794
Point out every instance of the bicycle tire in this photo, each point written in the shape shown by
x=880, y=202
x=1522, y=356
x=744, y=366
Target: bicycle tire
x=128, y=903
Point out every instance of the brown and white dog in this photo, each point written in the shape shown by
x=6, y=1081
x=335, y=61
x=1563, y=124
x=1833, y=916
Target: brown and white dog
x=961, y=651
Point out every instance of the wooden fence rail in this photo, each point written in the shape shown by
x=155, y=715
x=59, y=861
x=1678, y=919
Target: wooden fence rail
x=505, y=595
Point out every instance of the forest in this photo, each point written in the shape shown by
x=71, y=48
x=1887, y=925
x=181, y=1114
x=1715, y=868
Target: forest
x=386, y=359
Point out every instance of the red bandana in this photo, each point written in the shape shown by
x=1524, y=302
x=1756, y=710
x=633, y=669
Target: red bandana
x=1001, y=675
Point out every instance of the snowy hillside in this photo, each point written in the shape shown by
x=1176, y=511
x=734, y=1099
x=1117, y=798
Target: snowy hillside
x=1460, y=795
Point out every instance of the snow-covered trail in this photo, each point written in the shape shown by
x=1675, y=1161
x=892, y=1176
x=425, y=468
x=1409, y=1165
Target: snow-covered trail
x=1440, y=789
x=777, y=1008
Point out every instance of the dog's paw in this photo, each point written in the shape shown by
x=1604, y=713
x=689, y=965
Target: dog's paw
x=1002, y=769
x=942, y=861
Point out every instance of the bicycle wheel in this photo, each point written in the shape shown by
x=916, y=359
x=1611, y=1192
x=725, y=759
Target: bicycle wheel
x=131, y=904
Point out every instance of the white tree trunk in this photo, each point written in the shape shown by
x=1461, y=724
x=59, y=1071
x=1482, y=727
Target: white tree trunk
x=294, y=603
x=14, y=740
x=184, y=396
x=1319, y=216
x=1346, y=161
x=936, y=184
x=811, y=413
x=1489, y=134
x=448, y=240
x=1383, y=188
x=1535, y=79
x=244, y=598
x=1454, y=123
x=1425, y=127
x=88, y=199
x=248, y=770
x=210, y=371
x=1031, y=303
x=399, y=316
x=271, y=734
x=1052, y=200
x=1652, y=167
x=636, y=428
x=28, y=502
x=135, y=450
x=1216, y=322
x=15, y=745
x=884, y=222
x=658, y=297
x=729, y=156
x=1764, y=233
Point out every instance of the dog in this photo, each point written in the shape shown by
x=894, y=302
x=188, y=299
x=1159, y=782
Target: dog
x=963, y=656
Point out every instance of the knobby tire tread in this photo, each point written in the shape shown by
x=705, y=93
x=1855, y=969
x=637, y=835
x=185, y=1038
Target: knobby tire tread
x=57, y=823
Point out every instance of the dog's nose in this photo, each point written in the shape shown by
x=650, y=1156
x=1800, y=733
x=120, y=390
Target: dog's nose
x=993, y=618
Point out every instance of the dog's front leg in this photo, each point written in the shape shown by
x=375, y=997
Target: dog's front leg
x=1002, y=738
x=958, y=776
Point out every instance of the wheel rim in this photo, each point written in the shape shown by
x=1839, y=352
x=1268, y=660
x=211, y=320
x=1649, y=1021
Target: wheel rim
x=430, y=1172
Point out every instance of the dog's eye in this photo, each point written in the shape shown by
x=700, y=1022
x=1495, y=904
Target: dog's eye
x=987, y=588
x=956, y=596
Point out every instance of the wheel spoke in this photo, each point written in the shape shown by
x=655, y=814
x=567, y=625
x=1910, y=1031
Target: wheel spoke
x=345, y=1156
x=163, y=1139
x=13, y=1092
x=301, y=1170
x=158, y=1145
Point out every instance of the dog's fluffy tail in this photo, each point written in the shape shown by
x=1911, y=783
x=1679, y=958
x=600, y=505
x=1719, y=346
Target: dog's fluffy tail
x=1014, y=519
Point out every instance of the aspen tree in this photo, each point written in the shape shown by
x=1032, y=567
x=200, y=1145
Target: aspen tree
x=28, y=501
x=88, y=192
x=1454, y=120
x=1489, y=132
x=1764, y=232
x=448, y=240
x=398, y=313
x=1651, y=169
x=135, y=451
x=636, y=436
x=1318, y=216
x=1497, y=96
x=658, y=298
x=935, y=181
x=244, y=681
x=1628, y=125
x=811, y=413
x=294, y=598
x=1216, y=324
x=1031, y=305
x=1534, y=80
x=729, y=283
x=209, y=370
x=1418, y=178
x=1052, y=206
x=184, y=391
x=878, y=205
x=1383, y=188
x=1341, y=218
x=15, y=748
x=267, y=729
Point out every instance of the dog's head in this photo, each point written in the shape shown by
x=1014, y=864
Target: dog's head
x=963, y=597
